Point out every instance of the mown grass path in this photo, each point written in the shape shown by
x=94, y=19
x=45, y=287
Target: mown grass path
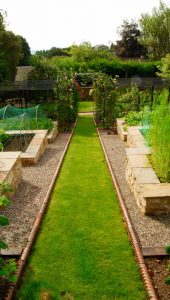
x=82, y=250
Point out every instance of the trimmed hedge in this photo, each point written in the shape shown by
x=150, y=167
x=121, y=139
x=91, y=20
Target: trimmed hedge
x=110, y=67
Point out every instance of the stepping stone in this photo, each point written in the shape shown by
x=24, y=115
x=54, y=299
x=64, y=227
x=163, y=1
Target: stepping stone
x=138, y=161
x=145, y=175
x=12, y=251
x=154, y=251
x=138, y=151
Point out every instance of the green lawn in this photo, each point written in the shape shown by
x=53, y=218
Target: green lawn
x=82, y=248
x=86, y=106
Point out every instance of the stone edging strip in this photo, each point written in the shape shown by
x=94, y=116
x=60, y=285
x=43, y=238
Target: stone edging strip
x=143, y=268
x=37, y=223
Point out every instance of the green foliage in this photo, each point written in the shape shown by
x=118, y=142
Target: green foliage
x=167, y=249
x=159, y=137
x=4, y=68
x=3, y=245
x=3, y=139
x=67, y=100
x=8, y=269
x=26, y=124
x=164, y=67
x=134, y=118
x=4, y=201
x=50, y=109
x=53, y=52
x=25, y=52
x=155, y=30
x=167, y=280
x=85, y=52
x=105, y=100
x=4, y=220
x=11, y=47
x=110, y=67
x=43, y=69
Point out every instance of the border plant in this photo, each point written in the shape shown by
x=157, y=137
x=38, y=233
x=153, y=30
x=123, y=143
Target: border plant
x=7, y=267
x=67, y=100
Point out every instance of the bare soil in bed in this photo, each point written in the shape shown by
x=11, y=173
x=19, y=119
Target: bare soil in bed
x=157, y=267
x=18, y=142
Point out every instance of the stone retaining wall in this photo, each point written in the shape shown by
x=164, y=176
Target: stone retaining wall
x=152, y=197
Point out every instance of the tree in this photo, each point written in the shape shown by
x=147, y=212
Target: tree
x=25, y=52
x=11, y=47
x=2, y=20
x=129, y=46
x=155, y=32
x=10, y=50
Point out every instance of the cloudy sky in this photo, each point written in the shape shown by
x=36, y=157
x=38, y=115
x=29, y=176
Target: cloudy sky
x=50, y=23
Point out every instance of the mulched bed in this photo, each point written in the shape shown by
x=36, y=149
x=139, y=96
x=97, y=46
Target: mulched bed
x=157, y=267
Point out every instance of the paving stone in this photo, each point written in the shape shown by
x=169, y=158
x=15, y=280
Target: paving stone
x=138, y=161
x=145, y=175
x=6, y=164
x=137, y=151
x=10, y=154
x=154, y=251
x=12, y=251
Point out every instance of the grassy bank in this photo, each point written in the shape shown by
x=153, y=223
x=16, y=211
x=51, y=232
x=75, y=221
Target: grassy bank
x=82, y=250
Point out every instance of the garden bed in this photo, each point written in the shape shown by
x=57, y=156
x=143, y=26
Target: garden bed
x=36, y=147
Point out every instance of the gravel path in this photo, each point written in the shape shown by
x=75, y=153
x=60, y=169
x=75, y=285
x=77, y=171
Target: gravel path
x=30, y=194
x=152, y=231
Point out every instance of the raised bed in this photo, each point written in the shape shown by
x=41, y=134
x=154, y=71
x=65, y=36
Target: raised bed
x=11, y=168
x=152, y=197
x=121, y=129
x=36, y=147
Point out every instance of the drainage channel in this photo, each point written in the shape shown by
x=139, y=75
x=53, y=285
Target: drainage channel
x=137, y=250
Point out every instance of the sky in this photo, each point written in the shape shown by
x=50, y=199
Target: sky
x=61, y=23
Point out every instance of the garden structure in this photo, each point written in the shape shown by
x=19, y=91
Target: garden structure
x=82, y=250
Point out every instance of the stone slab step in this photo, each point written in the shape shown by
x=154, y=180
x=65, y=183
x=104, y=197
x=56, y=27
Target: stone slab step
x=138, y=161
x=154, y=251
x=138, y=151
x=145, y=175
x=12, y=251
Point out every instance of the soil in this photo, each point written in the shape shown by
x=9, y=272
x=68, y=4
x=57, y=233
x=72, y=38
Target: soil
x=18, y=142
x=158, y=270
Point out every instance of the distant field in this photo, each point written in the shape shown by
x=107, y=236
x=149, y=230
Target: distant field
x=86, y=106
